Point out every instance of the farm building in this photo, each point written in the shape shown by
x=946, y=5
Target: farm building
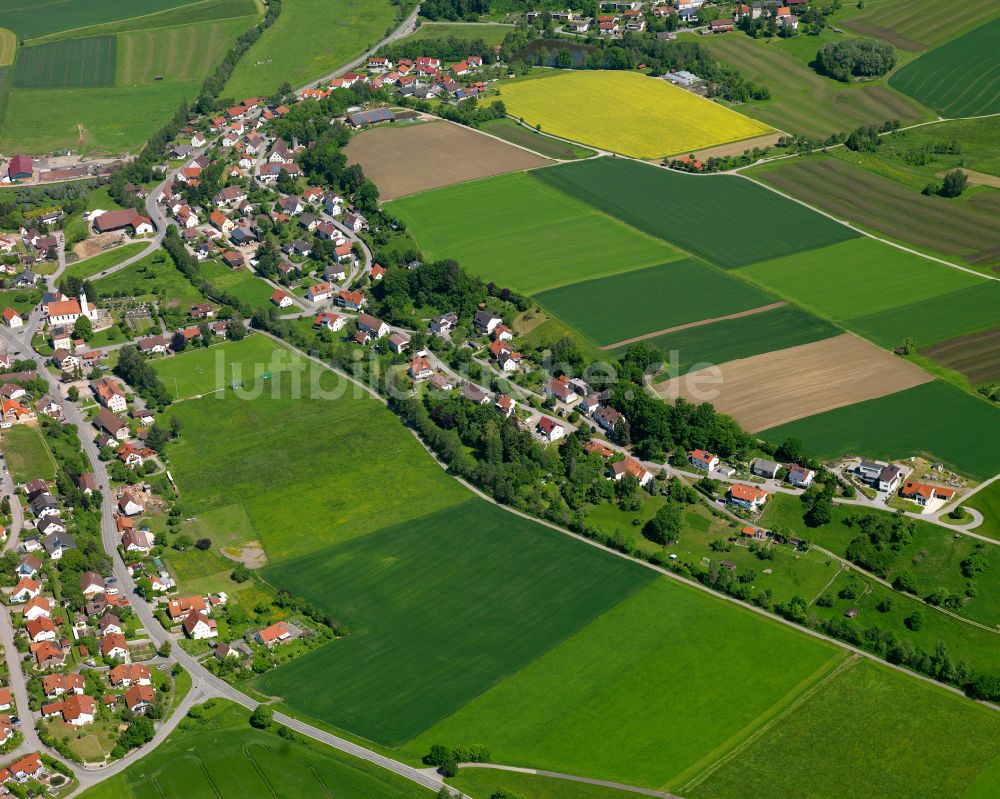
x=364, y=118
x=20, y=168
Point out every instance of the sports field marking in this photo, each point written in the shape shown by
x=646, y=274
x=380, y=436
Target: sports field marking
x=781, y=386
x=655, y=333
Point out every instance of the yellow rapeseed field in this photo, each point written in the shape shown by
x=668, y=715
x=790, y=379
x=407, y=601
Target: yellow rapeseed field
x=626, y=113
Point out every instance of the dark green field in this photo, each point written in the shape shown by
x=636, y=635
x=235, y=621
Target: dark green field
x=728, y=220
x=32, y=19
x=440, y=609
x=935, y=418
x=960, y=78
x=612, y=309
x=65, y=64
x=741, y=338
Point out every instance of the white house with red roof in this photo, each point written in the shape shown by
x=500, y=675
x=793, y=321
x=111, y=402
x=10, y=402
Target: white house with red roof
x=747, y=497
x=549, y=430
x=282, y=298
x=701, y=459
x=320, y=292
x=630, y=465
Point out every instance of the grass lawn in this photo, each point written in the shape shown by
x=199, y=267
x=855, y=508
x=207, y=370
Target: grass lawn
x=202, y=371
x=222, y=756
x=481, y=783
x=153, y=277
x=89, y=267
x=297, y=49
x=529, y=236
x=486, y=593
x=803, y=101
x=900, y=737
x=42, y=120
x=668, y=665
x=987, y=502
x=241, y=283
x=21, y=300
x=27, y=454
x=625, y=112
x=618, y=307
x=470, y=31
x=726, y=219
x=509, y=130
x=729, y=339
x=957, y=429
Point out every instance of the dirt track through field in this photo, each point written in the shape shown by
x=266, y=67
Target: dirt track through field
x=408, y=159
x=782, y=386
x=699, y=323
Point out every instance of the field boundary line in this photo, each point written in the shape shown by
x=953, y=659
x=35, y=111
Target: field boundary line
x=645, y=564
x=796, y=702
x=558, y=775
x=738, y=315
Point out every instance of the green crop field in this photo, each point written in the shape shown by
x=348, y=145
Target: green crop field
x=509, y=130
x=70, y=63
x=528, y=235
x=220, y=756
x=676, y=688
x=486, y=593
x=43, y=120
x=899, y=736
x=482, y=783
x=27, y=454
x=987, y=502
x=913, y=24
x=726, y=219
x=152, y=277
x=881, y=291
x=297, y=49
x=958, y=79
x=966, y=228
x=241, y=283
x=803, y=101
x=745, y=337
x=490, y=33
x=954, y=427
x=615, y=308
x=188, y=52
x=31, y=19
x=89, y=267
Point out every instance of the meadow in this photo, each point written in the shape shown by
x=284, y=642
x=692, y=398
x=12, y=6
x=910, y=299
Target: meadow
x=958, y=79
x=744, y=337
x=89, y=267
x=803, y=101
x=203, y=371
x=241, y=283
x=27, y=454
x=955, y=428
x=676, y=691
x=625, y=112
x=152, y=277
x=509, y=130
x=70, y=63
x=482, y=783
x=913, y=24
x=965, y=228
x=440, y=607
x=611, y=309
x=220, y=756
x=491, y=34
x=728, y=220
x=901, y=737
x=528, y=236
x=987, y=502
x=881, y=291
x=8, y=47
x=297, y=49
x=30, y=20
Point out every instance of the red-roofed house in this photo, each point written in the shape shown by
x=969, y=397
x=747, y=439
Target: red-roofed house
x=630, y=466
x=275, y=634
x=703, y=460
x=748, y=497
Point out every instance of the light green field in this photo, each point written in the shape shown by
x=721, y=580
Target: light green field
x=987, y=502
x=241, y=283
x=152, y=277
x=42, y=120
x=222, y=757
x=481, y=783
x=182, y=53
x=869, y=733
x=203, y=371
x=27, y=454
x=528, y=236
x=8, y=46
x=913, y=24
x=31, y=19
x=297, y=49
x=491, y=34
x=677, y=691
x=96, y=264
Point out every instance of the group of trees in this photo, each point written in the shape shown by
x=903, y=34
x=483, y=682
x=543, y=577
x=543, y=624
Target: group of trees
x=135, y=370
x=864, y=58
x=952, y=185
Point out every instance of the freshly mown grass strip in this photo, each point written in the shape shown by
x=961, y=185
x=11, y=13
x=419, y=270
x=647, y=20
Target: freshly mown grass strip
x=91, y=122
x=614, y=308
x=958, y=79
x=509, y=130
x=70, y=63
x=328, y=437
x=745, y=337
x=220, y=755
x=912, y=24
x=674, y=689
x=297, y=49
x=528, y=236
x=626, y=112
x=802, y=101
x=27, y=454
x=187, y=52
x=728, y=220
x=934, y=419
x=441, y=608
x=31, y=19
x=89, y=267
x=8, y=46
x=858, y=717
x=966, y=228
